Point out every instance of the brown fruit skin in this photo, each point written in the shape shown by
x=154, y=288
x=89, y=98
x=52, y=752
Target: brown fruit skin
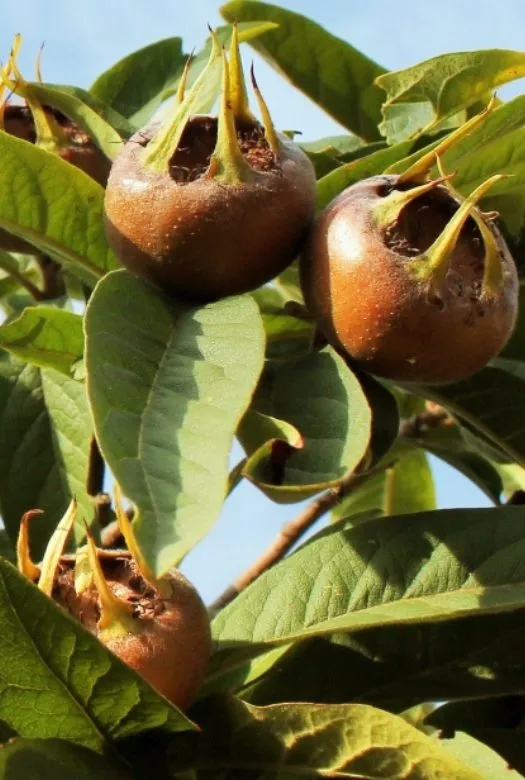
x=82, y=153
x=171, y=646
x=369, y=306
x=204, y=239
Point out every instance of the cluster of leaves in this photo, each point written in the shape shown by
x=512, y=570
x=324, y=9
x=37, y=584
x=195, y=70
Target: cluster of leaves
x=331, y=664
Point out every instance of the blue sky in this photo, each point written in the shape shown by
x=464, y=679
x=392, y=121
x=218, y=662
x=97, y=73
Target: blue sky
x=83, y=39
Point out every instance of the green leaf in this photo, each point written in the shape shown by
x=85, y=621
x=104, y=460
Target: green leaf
x=105, y=126
x=338, y=180
x=322, y=399
x=44, y=432
x=493, y=402
x=168, y=384
x=53, y=759
x=496, y=146
x=385, y=418
x=407, y=486
x=448, y=443
x=385, y=573
x=135, y=85
x=449, y=83
x=481, y=758
x=71, y=432
x=326, y=154
x=393, y=667
x=339, y=78
x=45, y=337
x=307, y=740
x=57, y=681
x=138, y=84
x=54, y=206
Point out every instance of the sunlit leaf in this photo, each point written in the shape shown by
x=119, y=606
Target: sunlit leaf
x=307, y=740
x=61, y=683
x=45, y=337
x=54, y=206
x=168, y=384
x=339, y=78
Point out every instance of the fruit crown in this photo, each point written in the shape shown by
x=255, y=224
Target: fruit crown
x=116, y=615
x=49, y=134
x=432, y=265
x=227, y=163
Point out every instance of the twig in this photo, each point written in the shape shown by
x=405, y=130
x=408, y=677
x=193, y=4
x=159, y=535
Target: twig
x=292, y=532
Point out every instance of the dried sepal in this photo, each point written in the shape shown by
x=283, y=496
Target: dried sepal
x=269, y=128
x=419, y=170
x=49, y=134
x=55, y=548
x=433, y=264
x=492, y=269
x=115, y=614
x=227, y=163
x=126, y=529
x=238, y=96
x=160, y=150
x=24, y=562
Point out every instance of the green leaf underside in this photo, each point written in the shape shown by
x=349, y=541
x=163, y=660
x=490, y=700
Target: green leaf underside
x=376, y=163
x=168, y=384
x=134, y=86
x=45, y=337
x=52, y=759
x=480, y=757
x=54, y=206
x=307, y=740
x=493, y=401
x=407, y=486
x=322, y=399
x=386, y=572
x=61, y=682
x=44, y=432
x=137, y=85
x=450, y=82
x=496, y=146
x=331, y=72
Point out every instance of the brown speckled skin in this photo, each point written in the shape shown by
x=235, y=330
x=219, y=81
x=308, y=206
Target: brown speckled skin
x=204, y=240
x=82, y=153
x=171, y=645
x=368, y=304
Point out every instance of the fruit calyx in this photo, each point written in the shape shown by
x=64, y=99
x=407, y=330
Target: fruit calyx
x=412, y=191
x=232, y=148
x=160, y=628
x=45, y=126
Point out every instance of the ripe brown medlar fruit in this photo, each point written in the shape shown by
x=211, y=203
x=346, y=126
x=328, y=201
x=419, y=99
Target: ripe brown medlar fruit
x=50, y=129
x=206, y=206
x=158, y=627
x=411, y=280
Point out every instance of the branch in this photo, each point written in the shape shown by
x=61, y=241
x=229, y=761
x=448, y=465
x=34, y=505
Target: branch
x=293, y=531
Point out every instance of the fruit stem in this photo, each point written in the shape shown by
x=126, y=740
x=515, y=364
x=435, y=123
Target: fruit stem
x=492, y=267
x=238, y=95
x=269, y=129
x=419, y=170
x=24, y=561
x=55, y=548
x=434, y=263
x=116, y=615
x=227, y=163
x=157, y=155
